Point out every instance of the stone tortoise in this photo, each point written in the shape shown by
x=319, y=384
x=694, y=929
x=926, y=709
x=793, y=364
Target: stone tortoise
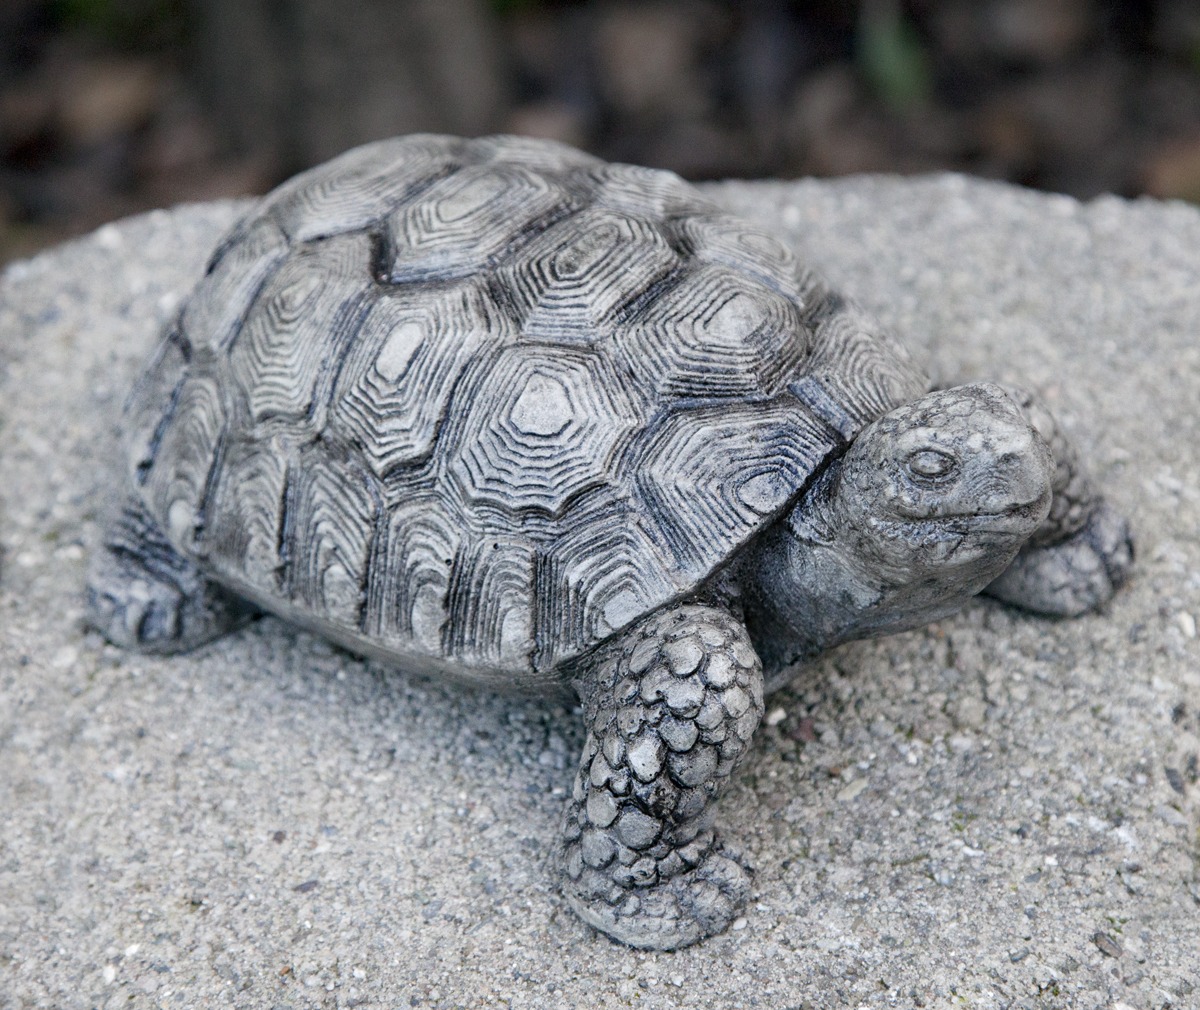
x=498, y=411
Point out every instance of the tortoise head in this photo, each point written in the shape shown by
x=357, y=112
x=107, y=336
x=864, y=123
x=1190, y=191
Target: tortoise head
x=948, y=487
x=929, y=504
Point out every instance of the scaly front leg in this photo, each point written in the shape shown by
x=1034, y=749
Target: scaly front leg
x=1083, y=552
x=671, y=706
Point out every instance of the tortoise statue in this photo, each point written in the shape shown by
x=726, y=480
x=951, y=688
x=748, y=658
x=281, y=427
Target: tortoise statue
x=498, y=411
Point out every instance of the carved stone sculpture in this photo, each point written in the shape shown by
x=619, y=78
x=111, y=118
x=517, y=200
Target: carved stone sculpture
x=497, y=411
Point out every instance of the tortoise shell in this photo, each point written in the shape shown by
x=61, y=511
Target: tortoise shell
x=476, y=405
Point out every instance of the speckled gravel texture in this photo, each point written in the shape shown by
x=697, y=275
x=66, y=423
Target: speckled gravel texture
x=997, y=811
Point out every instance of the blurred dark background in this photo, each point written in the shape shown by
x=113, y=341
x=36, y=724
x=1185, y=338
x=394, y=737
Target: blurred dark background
x=108, y=107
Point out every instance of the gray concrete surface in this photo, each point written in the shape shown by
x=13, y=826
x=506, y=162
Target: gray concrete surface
x=998, y=811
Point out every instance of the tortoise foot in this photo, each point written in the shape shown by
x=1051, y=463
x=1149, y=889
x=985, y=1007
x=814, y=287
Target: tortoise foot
x=1075, y=575
x=676, y=912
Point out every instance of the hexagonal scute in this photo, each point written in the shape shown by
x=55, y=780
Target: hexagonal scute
x=540, y=429
x=298, y=327
x=394, y=387
x=361, y=186
x=710, y=476
x=596, y=577
x=535, y=154
x=463, y=222
x=856, y=371
x=410, y=583
x=644, y=192
x=715, y=333
x=490, y=602
x=236, y=273
x=334, y=508
x=151, y=404
x=176, y=482
x=572, y=283
x=729, y=241
x=245, y=514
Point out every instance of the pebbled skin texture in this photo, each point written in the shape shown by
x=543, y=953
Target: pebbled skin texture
x=671, y=708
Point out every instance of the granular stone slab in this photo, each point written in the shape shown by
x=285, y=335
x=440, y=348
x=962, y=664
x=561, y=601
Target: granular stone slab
x=996, y=811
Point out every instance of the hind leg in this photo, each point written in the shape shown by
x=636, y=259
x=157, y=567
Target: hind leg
x=142, y=594
x=671, y=706
x=1083, y=552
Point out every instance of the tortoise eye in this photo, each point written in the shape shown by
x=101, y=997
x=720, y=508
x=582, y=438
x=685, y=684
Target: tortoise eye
x=929, y=463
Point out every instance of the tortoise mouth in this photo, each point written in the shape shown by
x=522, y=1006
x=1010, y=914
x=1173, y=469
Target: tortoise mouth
x=1025, y=516
x=1033, y=508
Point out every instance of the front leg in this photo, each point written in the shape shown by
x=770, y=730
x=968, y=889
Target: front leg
x=1083, y=552
x=671, y=706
